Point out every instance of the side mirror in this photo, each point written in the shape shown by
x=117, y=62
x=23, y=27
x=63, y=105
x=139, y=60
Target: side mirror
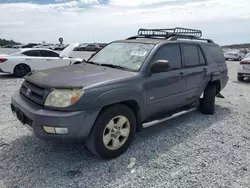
x=160, y=66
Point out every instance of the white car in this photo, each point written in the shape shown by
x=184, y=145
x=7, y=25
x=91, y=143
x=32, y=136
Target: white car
x=25, y=60
x=237, y=55
x=244, y=68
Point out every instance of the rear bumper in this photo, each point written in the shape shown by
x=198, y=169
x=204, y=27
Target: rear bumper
x=78, y=123
x=241, y=71
x=4, y=68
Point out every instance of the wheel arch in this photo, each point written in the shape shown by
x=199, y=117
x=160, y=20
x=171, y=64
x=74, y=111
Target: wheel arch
x=19, y=65
x=133, y=105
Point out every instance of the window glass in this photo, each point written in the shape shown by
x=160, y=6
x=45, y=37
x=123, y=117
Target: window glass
x=170, y=52
x=47, y=53
x=191, y=56
x=217, y=54
x=33, y=53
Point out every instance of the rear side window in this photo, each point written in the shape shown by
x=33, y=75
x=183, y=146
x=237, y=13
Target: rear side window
x=202, y=59
x=47, y=53
x=191, y=55
x=216, y=53
x=170, y=52
x=33, y=53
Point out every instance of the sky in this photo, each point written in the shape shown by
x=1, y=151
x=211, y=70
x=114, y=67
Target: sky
x=224, y=21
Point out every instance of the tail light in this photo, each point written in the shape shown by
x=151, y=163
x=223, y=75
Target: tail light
x=3, y=60
x=244, y=63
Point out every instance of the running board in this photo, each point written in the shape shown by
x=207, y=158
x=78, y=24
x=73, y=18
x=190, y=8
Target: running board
x=151, y=123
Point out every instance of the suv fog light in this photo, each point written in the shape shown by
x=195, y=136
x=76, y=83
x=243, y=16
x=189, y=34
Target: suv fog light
x=50, y=130
x=60, y=130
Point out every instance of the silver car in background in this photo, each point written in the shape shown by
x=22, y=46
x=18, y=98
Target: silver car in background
x=237, y=55
x=244, y=68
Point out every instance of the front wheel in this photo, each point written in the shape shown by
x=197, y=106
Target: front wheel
x=208, y=100
x=113, y=132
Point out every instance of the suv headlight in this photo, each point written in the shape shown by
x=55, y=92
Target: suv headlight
x=63, y=97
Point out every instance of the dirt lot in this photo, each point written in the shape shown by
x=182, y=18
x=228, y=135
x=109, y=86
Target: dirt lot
x=191, y=151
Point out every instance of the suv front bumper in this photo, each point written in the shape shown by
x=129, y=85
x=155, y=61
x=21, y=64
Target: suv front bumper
x=78, y=123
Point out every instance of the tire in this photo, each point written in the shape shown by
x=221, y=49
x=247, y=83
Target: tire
x=240, y=78
x=95, y=141
x=239, y=59
x=208, y=100
x=21, y=70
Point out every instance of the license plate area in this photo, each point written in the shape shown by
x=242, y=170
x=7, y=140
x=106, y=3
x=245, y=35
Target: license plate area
x=20, y=116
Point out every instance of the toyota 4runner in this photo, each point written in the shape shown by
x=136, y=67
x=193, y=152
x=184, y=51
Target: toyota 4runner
x=126, y=86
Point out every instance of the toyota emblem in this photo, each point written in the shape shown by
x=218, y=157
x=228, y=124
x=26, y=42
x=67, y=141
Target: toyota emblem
x=28, y=92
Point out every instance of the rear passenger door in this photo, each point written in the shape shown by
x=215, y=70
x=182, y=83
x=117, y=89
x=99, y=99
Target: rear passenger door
x=53, y=59
x=196, y=70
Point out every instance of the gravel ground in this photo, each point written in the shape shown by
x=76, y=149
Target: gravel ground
x=193, y=150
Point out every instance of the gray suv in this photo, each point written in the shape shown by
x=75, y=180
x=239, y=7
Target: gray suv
x=126, y=86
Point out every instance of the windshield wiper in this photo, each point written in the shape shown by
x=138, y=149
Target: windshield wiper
x=94, y=63
x=114, y=66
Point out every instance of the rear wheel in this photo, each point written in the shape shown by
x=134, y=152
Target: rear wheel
x=21, y=70
x=113, y=132
x=208, y=100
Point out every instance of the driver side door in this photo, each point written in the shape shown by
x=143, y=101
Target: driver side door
x=165, y=91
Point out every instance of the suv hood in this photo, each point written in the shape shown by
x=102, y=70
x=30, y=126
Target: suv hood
x=68, y=50
x=76, y=76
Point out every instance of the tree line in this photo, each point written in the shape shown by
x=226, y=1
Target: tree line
x=4, y=42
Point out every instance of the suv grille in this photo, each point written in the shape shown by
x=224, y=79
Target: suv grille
x=33, y=92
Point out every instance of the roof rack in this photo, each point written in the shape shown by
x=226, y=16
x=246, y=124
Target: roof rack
x=170, y=34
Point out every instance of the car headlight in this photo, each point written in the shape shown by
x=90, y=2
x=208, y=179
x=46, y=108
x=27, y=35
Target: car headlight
x=63, y=97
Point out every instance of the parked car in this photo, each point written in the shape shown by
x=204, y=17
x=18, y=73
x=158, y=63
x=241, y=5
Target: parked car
x=81, y=47
x=30, y=45
x=44, y=46
x=237, y=55
x=23, y=61
x=126, y=86
x=91, y=47
x=244, y=68
x=59, y=47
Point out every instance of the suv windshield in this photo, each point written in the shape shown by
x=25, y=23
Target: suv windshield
x=127, y=55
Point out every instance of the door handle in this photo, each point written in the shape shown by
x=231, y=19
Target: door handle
x=205, y=70
x=48, y=59
x=181, y=74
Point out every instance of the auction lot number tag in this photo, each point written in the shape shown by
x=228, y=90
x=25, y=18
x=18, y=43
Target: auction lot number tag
x=138, y=53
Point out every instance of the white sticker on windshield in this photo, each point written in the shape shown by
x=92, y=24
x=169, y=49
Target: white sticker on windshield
x=138, y=53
